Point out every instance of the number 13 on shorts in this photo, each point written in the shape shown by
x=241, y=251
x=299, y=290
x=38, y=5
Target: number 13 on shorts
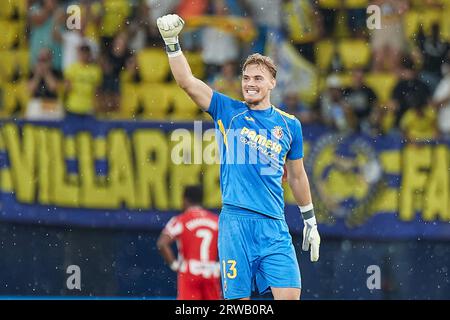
x=229, y=269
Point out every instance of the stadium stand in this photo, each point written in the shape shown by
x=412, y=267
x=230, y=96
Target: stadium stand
x=147, y=90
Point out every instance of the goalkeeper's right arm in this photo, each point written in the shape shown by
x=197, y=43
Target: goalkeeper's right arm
x=170, y=26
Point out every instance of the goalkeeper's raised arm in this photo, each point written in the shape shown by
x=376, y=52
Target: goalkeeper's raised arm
x=170, y=26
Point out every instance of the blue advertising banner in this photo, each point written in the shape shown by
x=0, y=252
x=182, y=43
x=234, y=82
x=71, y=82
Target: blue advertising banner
x=131, y=174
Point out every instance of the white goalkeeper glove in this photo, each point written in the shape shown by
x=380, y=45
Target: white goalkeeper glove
x=169, y=27
x=311, y=237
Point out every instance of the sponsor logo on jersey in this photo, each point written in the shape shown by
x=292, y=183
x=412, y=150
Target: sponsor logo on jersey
x=261, y=141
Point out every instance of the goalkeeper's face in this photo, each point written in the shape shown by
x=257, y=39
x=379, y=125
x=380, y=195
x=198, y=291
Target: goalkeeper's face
x=257, y=82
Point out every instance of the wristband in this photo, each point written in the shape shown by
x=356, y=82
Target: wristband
x=307, y=211
x=173, y=49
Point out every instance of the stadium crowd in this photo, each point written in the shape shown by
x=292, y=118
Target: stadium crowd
x=112, y=65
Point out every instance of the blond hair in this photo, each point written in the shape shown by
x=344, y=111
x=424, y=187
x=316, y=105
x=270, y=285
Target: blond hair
x=261, y=60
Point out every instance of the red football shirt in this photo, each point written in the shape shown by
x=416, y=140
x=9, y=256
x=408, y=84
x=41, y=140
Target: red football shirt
x=196, y=232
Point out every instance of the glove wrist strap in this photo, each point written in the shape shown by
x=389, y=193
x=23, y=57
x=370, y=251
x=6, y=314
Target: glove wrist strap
x=308, y=215
x=173, y=48
x=307, y=211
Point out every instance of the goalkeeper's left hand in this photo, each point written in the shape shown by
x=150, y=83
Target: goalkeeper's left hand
x=169, y=27
x=311, y=238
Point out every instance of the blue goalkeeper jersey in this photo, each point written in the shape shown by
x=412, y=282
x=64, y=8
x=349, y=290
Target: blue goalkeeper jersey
x=253, y=147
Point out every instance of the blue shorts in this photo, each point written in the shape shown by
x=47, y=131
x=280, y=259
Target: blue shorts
x=255, y=252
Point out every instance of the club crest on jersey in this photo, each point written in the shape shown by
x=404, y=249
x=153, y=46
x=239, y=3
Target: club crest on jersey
x=277, y=132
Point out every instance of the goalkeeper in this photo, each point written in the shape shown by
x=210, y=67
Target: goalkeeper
x=255, y=247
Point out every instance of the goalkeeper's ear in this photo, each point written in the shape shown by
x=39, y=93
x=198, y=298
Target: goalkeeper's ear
x=273, y=84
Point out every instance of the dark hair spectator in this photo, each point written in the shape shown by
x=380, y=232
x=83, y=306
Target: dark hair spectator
x=112, y=61
x=361, y=100
x=43, y=85
x=433, y=50
x=410, y=91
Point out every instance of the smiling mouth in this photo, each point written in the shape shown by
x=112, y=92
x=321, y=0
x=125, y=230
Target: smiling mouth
x=252, y=92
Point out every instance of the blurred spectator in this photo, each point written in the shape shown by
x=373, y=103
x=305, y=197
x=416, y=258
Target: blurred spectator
x=433, y=51
x=329, y=12
x=382, y=119
x=82, y=80
x=441, y=100
x=410, y=92
x=159, y=8
x=336, y=15
x=43, y=30
x=228, y=81
x=303, y=24
x=361, y=100
x=72, y=39
x=333, y=108
x=113, y=18
x=43, y=87
x=142, y=31
x=235, y=7
x=266, y=14
x=419, y=123
x=191, y=39
x=357, y=20
x=131, y=73
x=336, y=63
x=292, y=105
x=389, y=42
x=112, y=62
x=192, y=8
x=218, y=46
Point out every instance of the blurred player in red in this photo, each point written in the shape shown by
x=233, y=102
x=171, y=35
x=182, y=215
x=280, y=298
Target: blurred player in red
x=195, y=231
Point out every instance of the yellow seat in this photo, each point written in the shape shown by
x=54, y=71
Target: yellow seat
x=153, y=65
x=382, y=84
x=430, y=17
x=6, y=10
x=9, y=7
x=129, y=99
x=9, y=34
x=411, y=21
x=7, y=64
x=425, y=18
x=23, y=60
x=21, y=33
x=356, y=4
x=324, y=50
x=154, y=98
x=196, y=63
x=205, y=117
x=183, y=106
x=420, y=4
x=11, y=60
x=15, y=97
x=116, y=11
x=329, y=4
x=354, y=53
x=22, y=7
x=445, y=23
